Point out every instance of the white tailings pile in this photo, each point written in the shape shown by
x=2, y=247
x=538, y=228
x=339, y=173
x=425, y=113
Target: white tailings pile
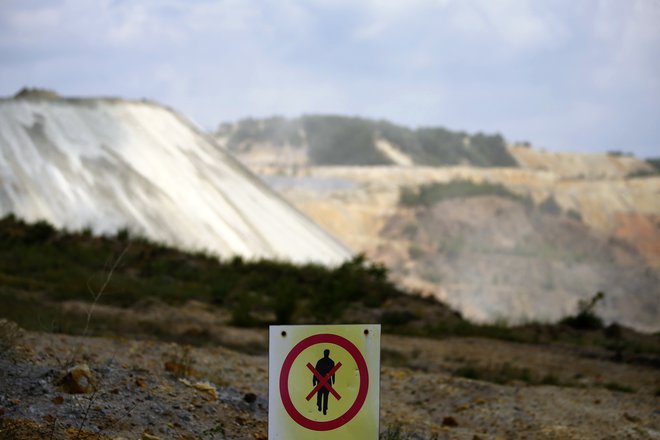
x=110, y=164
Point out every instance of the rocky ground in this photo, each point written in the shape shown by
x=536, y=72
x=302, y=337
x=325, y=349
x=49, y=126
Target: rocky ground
x=456, y=388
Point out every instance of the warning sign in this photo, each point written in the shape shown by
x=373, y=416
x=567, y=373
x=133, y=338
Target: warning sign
x=324, y=382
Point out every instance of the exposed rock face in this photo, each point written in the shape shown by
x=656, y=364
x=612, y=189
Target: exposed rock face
x=110, y=164
x=498, y=259
x=642, y=231
x=372, y=193
x=592, y=229
x=494, y=258
x=595, y=224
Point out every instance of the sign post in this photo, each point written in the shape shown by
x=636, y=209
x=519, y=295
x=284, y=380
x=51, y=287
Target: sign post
x=324, y=382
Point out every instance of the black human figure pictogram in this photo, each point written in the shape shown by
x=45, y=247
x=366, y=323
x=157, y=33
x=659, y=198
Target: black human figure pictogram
x=324, y=366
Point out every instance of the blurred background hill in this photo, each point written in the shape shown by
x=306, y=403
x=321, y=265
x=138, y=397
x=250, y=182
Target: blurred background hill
x=499, y=231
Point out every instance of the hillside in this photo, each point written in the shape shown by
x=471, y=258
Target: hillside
x=339, y=140
x=493, y=256
x=283, y=144
x=123, y=338
x=575, y=224
x=111, y=164
x=497, y=258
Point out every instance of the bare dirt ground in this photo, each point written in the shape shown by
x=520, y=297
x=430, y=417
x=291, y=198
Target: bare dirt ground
x=151, y=389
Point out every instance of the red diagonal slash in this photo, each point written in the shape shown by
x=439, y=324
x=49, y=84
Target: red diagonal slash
x=323, y=381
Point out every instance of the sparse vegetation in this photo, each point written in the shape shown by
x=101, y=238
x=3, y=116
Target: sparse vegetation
x=642, y=173
x=454, y=148
x=44, y=267
x=415, y=252
x=410, y=230
x=468, y=329
x=506, y=373
x=653, y=171
x=501, y=374
x=430, y=194
x=619, y=153
x=615, y=386
x=574, y=214
x=277, y=130
x=340, y=140
x=550, y=379
x=393, y=358
x=397, y=317
x=586, y=318
x=550, y=206
x=655, y=162
x=43, y=263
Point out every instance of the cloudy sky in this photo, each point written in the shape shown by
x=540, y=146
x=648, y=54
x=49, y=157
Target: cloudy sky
x=567, y=75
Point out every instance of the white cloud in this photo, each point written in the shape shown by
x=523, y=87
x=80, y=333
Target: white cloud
x=632, y=34
x=233, y=16
x=131, y=26
x=510, y=25
x=22, y=26
x=522, y=24
x=31, y=20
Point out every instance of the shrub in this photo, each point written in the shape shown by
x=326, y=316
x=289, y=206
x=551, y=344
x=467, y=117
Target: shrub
x=467, y=372
x=338, y=140
x=490, y=150
x=410, y=230
x=500, y=374
x=247, y=131
x=655, y=162
x=550, y=379
x=619, y=153
x=397, y=317
x=335, y=140
x=550, y=206
x=67, y=265
x=642, y=173
x=586, y=318
x=393, y=358
x=574, y=214
x=415, y=252
x=41, y=231
x=614, y=386
x=432, y=193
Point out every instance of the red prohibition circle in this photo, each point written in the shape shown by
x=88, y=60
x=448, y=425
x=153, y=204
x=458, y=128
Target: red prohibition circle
x=284, y=382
